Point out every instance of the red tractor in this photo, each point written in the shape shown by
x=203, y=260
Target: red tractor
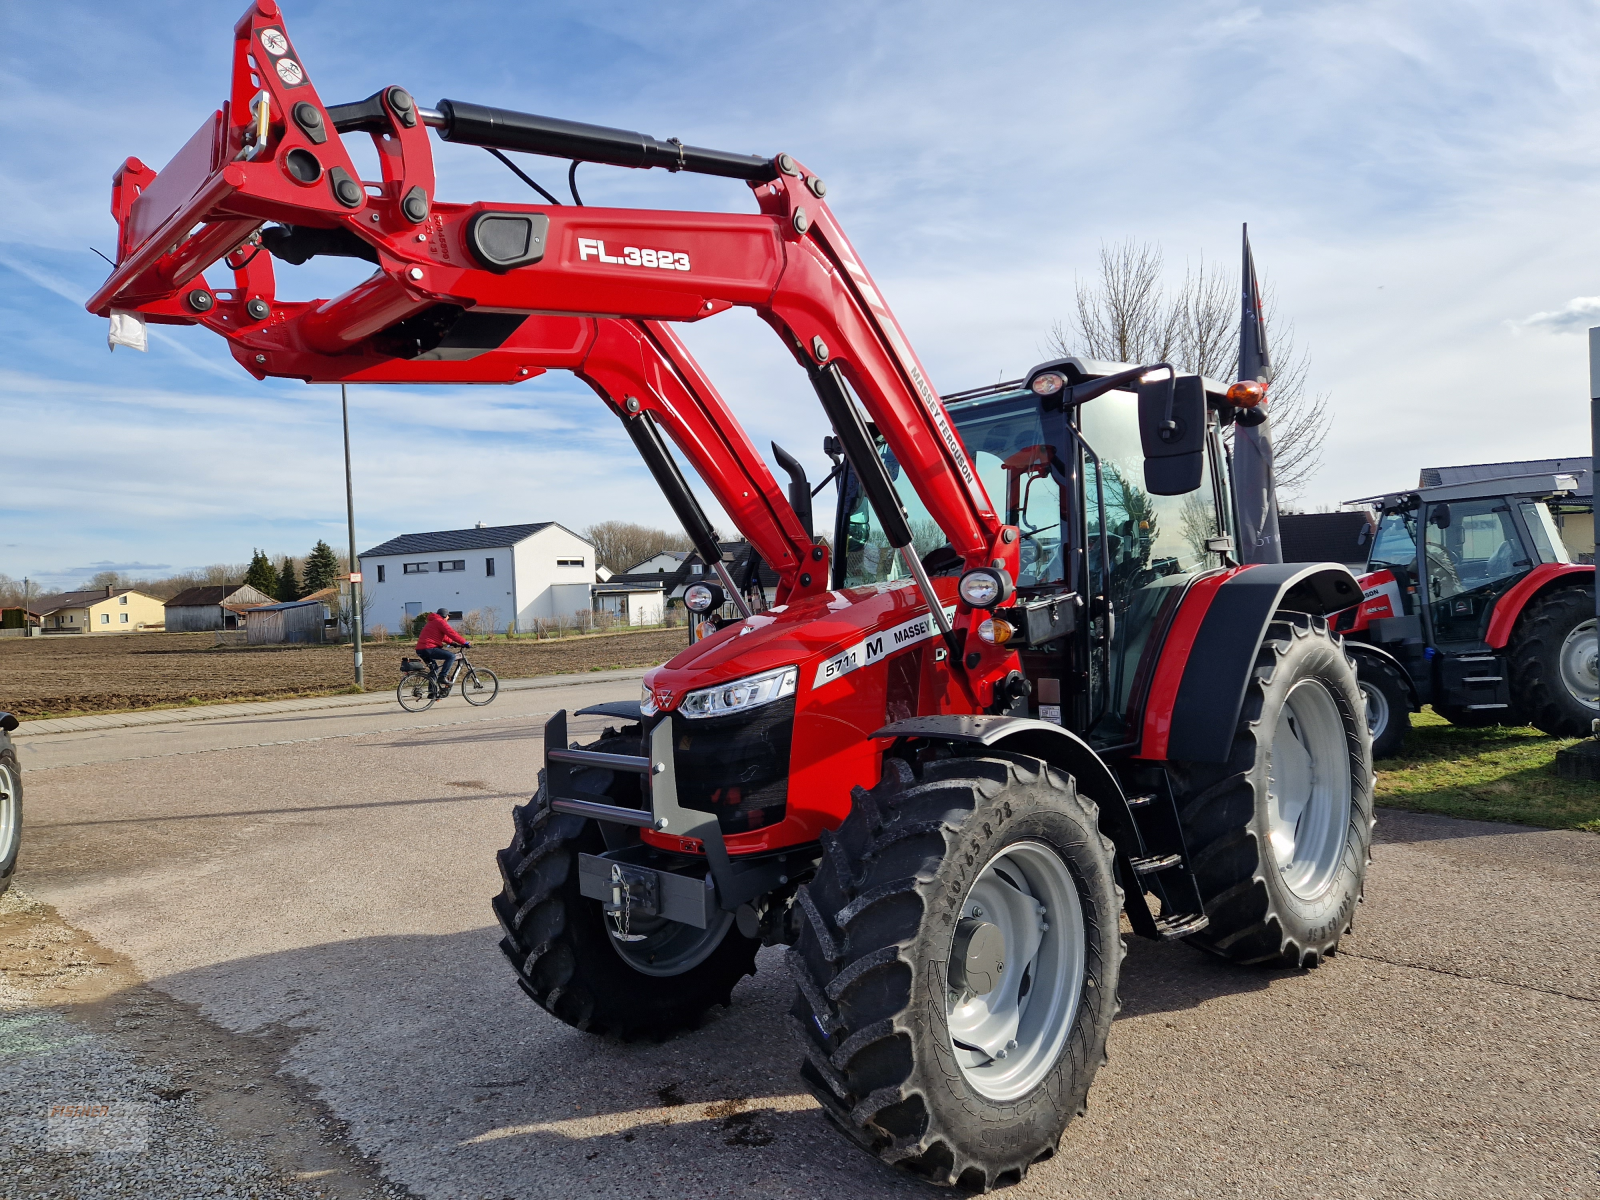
x=942, y=764
x=1484, y=615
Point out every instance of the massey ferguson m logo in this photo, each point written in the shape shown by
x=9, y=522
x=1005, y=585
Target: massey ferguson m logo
x=633, y=256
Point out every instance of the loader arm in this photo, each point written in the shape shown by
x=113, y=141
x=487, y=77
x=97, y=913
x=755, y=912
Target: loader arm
x=445, y=272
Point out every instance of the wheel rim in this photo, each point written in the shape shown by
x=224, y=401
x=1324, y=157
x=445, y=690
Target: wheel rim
x=1005, y=1042
x=1308, y=790
x=1377, y=709
x=1580, y=670
x=10, y=815
x=657, y=946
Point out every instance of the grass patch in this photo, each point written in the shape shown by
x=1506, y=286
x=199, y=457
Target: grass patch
x=1493, y=774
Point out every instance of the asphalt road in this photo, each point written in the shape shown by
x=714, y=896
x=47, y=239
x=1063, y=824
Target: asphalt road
x=319, y=883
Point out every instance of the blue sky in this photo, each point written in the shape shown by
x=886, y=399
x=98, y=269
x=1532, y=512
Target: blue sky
x=1420, y=180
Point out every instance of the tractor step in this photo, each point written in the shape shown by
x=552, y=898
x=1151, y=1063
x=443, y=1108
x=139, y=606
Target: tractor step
x=1154, y=863
x=1181, y=925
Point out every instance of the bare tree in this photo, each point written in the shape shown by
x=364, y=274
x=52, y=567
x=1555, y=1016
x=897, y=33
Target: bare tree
x=619, y=545
x=1126, y=315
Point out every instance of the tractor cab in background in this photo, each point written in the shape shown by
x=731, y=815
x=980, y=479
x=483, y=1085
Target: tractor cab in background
x=1465, y=606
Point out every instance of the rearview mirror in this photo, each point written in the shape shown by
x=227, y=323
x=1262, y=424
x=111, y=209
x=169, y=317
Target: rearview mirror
x=1175, y=446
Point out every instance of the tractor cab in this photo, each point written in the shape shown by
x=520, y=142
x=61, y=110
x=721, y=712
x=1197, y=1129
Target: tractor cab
x=1104, y=553
x=1449, y=573
x=1474, y=548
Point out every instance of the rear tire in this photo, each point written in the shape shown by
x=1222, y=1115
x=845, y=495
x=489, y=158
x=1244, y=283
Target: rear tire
x=561, y=944
x=414, y=692
x=1553, y=665
x=10, y=816
x=1279, y=835
x=1388, y=704
x=875, y=1006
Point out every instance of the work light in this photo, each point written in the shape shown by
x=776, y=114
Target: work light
x=702, y=597
x=984, y=587
x=1048, y=383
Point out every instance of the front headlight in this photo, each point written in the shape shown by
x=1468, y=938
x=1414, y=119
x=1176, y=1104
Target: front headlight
x=741, y=695
x=647, y=701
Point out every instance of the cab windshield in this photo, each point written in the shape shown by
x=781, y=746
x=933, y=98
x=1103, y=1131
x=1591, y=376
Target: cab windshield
x=1022, y=472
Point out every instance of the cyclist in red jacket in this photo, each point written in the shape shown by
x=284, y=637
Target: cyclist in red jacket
x=431, y=642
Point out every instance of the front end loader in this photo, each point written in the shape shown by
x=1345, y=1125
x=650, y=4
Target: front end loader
x=964, y=739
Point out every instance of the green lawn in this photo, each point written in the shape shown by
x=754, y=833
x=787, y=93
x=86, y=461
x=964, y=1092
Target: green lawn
x=1494, y=774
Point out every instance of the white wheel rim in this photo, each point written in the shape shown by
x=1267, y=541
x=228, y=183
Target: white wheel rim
x=1377, y=709
x=1005, y=1042
x=1308, y=790
x=1580, y=670
x=10, y=815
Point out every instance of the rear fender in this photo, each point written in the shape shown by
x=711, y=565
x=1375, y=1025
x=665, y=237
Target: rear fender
x=1198, y=685
x=1541, y=579
x=1358, y=650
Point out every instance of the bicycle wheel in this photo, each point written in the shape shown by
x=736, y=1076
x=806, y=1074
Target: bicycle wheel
x=479, y=685
x=413, y=692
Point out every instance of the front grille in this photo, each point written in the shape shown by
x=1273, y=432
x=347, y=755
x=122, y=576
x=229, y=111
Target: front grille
x=736, y=766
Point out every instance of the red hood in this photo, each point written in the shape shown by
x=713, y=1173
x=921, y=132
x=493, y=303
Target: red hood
x=806, y=634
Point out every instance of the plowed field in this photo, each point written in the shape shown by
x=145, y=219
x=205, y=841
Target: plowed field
x=61, y=676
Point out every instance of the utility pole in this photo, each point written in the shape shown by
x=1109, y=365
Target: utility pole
x=355, y=563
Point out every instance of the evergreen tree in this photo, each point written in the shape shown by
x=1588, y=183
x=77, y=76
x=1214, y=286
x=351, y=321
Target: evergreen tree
x=288, y=585
x=322, y=567
x=261, y=576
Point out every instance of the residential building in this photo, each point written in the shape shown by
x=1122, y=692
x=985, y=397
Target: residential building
x=99, y=610
x=663, y=562
x=212, y=606
x=506, y=573
x=637, y=599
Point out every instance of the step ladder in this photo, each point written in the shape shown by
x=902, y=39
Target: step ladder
x=1160, y=867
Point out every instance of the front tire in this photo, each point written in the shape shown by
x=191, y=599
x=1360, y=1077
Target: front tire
x=1278, y=836
x=10, y=816
x=1388, y=704
x=479, y=685
x=569, y=957
x=902, y=1052
x=1554, y=677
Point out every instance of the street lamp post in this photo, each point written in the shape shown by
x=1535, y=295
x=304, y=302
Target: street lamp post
x=355, y=563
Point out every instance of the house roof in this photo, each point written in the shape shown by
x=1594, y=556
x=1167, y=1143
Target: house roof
x=45, y=605
x=1579, y=466
x=284, y=605
x=644, y=581
x=210, y=594
x=486, y=538
x=1340, y=537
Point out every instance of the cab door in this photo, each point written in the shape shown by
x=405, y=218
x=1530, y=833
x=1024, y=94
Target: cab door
x=1474, y=550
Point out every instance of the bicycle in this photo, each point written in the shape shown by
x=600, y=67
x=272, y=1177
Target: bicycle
x=420, y=685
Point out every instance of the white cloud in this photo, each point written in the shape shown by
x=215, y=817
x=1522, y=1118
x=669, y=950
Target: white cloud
x=1575, y=316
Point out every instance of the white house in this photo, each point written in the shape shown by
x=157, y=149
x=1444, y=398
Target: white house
x=505, y=573
x=637, y=599
x=663, y=562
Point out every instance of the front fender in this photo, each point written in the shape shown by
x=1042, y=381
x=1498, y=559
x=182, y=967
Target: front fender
x=1198, y=685
x=1357, y=649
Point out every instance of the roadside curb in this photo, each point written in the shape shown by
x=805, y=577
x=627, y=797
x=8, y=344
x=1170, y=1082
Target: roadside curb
x=263, y=708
